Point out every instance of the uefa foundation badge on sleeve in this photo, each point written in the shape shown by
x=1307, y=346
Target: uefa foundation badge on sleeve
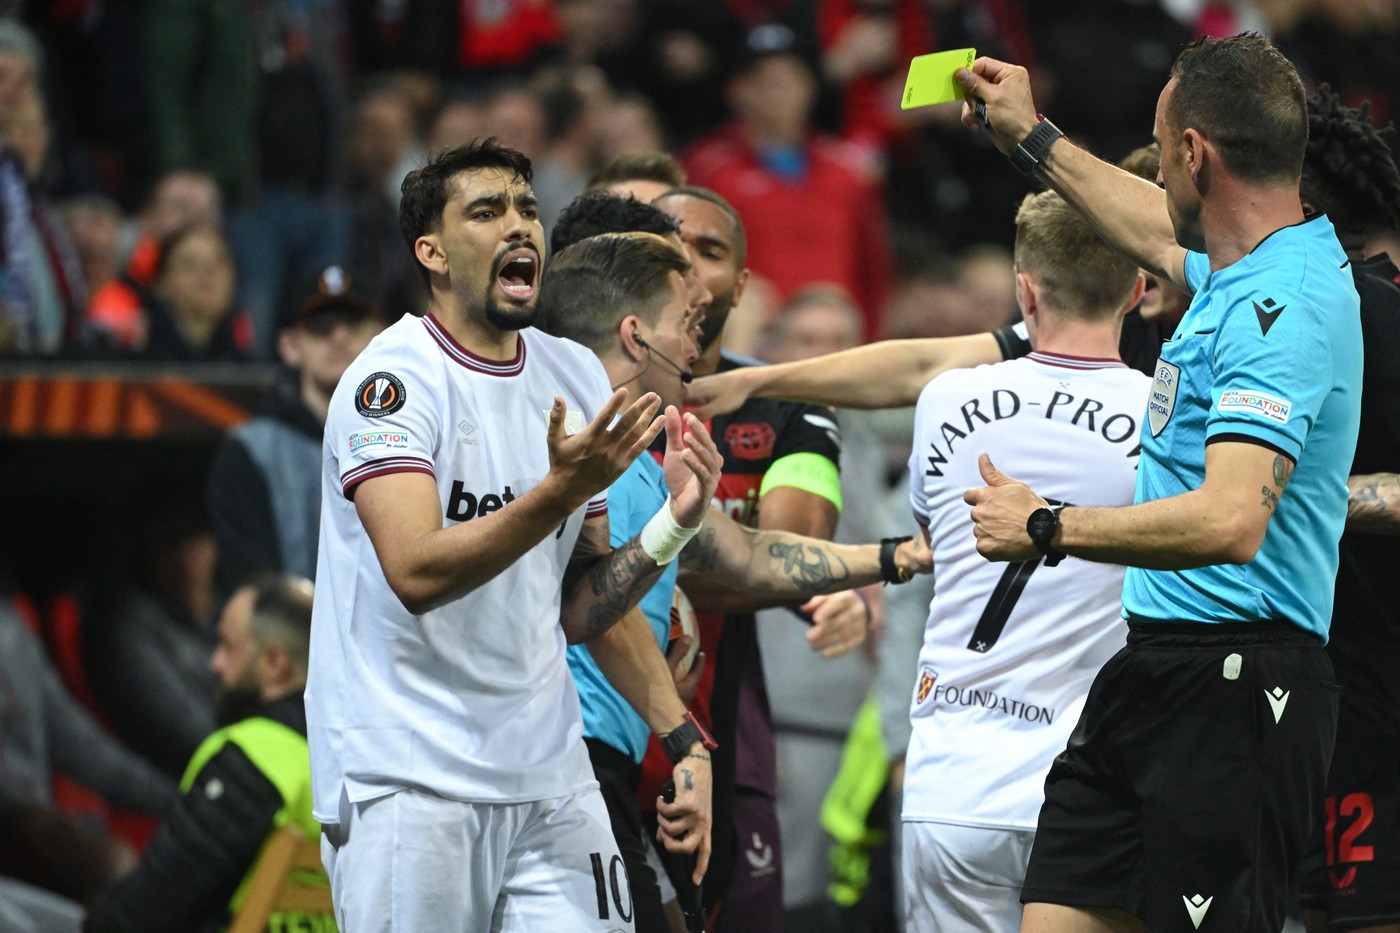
x=1162, y=400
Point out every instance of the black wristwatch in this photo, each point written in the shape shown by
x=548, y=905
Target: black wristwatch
x=1027, y=156
x=891, y=572
x=1041, y=527
x=676, y=743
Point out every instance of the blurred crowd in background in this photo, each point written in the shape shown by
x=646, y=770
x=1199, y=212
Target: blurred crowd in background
x=270, y=138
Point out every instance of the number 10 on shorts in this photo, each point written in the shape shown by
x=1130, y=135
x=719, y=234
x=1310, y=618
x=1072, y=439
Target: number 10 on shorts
x=612, y=882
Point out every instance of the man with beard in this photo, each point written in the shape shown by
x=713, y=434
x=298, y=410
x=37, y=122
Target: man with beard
x=464, y=540
x=250, y=777
x=1184, y=799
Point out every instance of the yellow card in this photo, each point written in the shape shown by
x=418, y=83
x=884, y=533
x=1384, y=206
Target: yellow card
x=930, y=78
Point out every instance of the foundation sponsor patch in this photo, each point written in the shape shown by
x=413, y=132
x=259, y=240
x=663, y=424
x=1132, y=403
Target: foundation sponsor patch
x=1260, y=404
x=374, y=441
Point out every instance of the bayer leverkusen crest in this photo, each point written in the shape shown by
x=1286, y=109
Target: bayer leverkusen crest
x=927, y=678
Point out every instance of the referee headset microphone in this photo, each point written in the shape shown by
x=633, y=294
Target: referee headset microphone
x=686, y=377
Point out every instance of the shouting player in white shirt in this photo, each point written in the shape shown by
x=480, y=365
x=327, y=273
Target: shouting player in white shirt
x=464, y=537
x=1010, y=650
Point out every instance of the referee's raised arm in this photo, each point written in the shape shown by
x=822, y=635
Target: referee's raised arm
x=1131, y=214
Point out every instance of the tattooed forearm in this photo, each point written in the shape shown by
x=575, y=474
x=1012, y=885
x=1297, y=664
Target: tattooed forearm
x=1374, y=504
x=701, y=552
x=615, y=583
x=600, y=588
x=1270, y=500
x=809, y=568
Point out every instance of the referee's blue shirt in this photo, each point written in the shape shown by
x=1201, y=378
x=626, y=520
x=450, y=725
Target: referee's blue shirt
x=1269, y=352
x=607, y=717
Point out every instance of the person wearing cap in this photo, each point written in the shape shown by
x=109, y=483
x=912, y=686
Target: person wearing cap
x=264, y=491
x=792, y=184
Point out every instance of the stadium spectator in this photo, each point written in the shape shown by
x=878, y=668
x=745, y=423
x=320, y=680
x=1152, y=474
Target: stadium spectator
x=190, y=314
x=179, y=199
x=247, y=779
x=42, y=288
x=201, y=86
x=629, y=126
x=94, y=225
x=46, y=730
x=457, y=122
x=793, y=185
x=264, y=491
x=383, y=148
x=149, y=661
x=641, y=175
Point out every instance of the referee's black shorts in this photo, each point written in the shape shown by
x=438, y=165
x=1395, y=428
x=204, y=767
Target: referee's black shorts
x=1189, y=786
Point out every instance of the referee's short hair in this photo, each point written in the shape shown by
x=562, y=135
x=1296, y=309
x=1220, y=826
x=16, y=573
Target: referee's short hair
x=595, y=283
x=1243, y=95
x=1079, y=274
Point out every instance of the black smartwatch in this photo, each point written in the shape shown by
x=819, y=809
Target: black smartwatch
x=891, y=572
x=1027, y=156
x=676, y=743
x=1041, y=527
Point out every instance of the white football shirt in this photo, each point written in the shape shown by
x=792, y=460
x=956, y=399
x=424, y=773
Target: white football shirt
x=1011, y=649
x=471, y=700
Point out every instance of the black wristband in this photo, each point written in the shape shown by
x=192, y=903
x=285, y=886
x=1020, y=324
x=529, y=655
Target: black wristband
x=1041, y=527
x=1027, y=156
x=891, y=572
x=676, y=743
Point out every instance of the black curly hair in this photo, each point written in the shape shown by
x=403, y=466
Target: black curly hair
x=1350, y=169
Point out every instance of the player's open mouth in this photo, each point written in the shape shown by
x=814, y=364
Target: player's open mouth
x=518, y=272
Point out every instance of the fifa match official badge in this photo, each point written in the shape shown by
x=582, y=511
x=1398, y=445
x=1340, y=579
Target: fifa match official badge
x=927, y=678
x=573, y=420
x=1161, y=400
x=379, y=395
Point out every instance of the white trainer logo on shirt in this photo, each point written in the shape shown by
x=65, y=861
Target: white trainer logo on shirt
x=1197, y=906
x=1278, y=699
x=573, y=420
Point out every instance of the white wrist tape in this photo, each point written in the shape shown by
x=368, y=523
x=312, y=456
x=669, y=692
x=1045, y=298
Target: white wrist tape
x=662, y=537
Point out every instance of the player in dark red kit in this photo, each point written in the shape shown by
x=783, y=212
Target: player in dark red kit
x=1349, y=873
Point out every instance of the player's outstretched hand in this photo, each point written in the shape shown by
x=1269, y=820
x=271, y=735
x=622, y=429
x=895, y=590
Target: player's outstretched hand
x=718, y=394
x=590, y=461
x=1006, y=90
x=840, y=623
x=692, y=465
x=999, y=513
x=684, y=826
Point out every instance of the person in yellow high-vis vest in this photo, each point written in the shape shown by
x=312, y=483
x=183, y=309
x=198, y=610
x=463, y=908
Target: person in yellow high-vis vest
x=246, y=780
